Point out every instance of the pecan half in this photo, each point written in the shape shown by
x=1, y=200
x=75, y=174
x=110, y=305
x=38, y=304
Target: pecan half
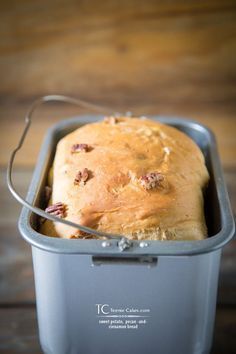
x=151, y=180
x=81, y=177
x=80, y=148
x=58, y=209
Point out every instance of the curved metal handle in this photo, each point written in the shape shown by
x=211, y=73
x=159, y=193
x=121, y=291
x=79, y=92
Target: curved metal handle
x=124, y=243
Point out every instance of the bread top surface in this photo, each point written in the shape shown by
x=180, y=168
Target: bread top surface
x=121, y=153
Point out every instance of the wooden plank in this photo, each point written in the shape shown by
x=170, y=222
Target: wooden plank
x=132, y=52
x=16, y=273
x=100, y=11
x=18, y=331
x=79, y=37
x=225, y=331
x=19, y=334
x=153, y=52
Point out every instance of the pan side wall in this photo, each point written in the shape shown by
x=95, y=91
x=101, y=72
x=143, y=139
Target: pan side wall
x=174, y=300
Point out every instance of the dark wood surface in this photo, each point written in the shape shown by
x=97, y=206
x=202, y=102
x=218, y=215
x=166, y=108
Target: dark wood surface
x=152, y=57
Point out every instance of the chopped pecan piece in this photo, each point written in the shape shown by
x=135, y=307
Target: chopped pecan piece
x=80, y=148
x=151, y=180
x=81, y=177
x=58, y=209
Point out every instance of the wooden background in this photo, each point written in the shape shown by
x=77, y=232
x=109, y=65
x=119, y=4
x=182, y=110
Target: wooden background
x=149, y=57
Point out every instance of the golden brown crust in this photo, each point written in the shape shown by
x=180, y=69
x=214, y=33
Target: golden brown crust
x=114, y=198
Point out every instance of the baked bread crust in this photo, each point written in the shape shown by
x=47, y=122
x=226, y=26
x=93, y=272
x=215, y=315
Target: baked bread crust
x=144, y=180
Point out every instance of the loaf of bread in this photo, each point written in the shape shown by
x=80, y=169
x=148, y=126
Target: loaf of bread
x=129, y=176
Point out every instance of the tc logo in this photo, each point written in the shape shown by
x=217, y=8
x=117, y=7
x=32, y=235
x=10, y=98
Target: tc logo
x=103, y=308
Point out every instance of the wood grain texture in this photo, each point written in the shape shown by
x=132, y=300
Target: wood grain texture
x=224, y=340
x=149, y=57
x=128, y=51
x=18, y=331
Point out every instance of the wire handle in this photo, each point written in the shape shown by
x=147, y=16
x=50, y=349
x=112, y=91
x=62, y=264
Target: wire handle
x=123, y=243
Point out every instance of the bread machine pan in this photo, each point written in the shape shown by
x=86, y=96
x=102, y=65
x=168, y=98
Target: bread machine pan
x=154, y=297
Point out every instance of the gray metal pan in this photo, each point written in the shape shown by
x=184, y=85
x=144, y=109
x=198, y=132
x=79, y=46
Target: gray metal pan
x=217, y=206
x=75, y=277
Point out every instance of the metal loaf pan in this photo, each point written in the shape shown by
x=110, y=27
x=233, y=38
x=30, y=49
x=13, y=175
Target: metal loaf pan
x=218, y=213
x=79, y=283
